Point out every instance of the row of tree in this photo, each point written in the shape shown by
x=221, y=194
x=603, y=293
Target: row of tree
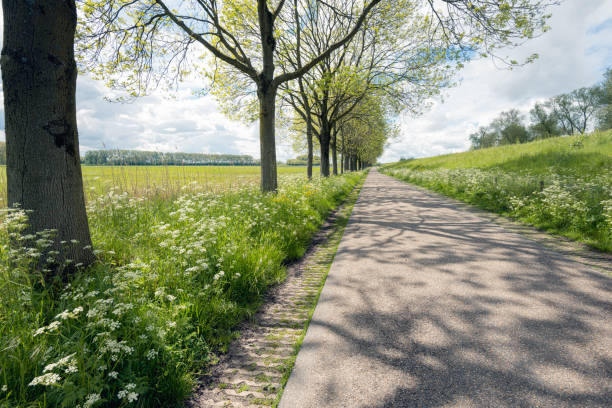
x=571, y=113
x=146, y=158
x=346, y=67
x=302, y=160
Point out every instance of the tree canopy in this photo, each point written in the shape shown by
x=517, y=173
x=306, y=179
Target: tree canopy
x=234, y=47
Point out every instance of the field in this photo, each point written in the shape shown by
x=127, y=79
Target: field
x=562, y=185
x=184, y=255
x=162, y=181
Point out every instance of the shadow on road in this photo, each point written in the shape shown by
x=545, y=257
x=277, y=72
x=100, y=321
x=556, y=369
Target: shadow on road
x=441, y=308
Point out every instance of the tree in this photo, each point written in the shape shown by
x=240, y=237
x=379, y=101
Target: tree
x=575, y=110
x=140, y=157
x=544, y=122
x=509, y=128
x=135, y=43
x=363, y=133
x=390, y=55
x=483, y=138
x=604, y=114
x=403, y=49
x=39, y=82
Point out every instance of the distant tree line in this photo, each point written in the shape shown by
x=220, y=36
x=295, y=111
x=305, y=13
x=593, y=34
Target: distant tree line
x=2, y=153
x=566, y=114
x=145, y=158
x=303, y=161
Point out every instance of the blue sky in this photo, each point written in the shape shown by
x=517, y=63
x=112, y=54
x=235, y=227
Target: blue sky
x=573, y=54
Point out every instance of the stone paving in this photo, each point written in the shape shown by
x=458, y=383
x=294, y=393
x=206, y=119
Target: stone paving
x=258, y=363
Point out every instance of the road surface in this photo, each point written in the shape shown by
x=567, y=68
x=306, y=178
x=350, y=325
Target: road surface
x=428, y=305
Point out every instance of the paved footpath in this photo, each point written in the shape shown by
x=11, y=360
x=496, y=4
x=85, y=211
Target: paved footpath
x=428, y=305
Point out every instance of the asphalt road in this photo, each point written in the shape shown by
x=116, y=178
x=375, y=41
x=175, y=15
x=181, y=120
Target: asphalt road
x=428, y=305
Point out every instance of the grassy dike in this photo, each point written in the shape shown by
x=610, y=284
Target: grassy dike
x=562, y=185
x=174, y=279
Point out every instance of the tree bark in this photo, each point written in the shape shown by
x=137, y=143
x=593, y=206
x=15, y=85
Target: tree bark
x=267, y=139
x=266, y=93
x=310, y=154
x=324, y=142
x=334, y=155
x=43, y=161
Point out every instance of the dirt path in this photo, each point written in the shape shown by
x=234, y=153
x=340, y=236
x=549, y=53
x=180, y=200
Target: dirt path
x=429, y=305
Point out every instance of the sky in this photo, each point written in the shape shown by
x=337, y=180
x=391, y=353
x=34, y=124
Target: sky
x=574, y=53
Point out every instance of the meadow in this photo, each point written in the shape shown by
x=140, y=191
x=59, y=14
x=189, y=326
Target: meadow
x=562, y=185
x=185, y=254
x=162, y=181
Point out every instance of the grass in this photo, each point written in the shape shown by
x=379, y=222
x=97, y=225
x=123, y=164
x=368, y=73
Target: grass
x=178, y=270
x=561, y=155
x=562, y=185
x=162, y=181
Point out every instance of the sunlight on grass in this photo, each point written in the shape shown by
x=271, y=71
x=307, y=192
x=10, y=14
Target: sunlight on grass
x=162, y=181
x=174, y=278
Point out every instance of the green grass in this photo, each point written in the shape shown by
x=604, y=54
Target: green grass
x=162, y=181
x=540, y=157
x=175, y=276
x=562, y=185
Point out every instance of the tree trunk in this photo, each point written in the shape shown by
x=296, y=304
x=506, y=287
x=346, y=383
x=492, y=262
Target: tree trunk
x=324, y=142
x=341, y=163
x=334, y=155
x=266, y=93
x=43, y=162
x=267, y=139
x=309, y=139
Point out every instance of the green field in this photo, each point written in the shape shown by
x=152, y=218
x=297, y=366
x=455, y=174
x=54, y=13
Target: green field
x=164, y=181
x=562, y=184
x=185, y=254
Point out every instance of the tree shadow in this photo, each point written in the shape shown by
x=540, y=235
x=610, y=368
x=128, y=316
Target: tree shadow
x=457, y=311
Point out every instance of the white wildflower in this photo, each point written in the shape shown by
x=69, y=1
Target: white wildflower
x=45, y=379
x=91, y=400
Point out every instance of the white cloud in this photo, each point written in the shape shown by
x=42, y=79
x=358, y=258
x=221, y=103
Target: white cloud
x=156, y=122
x=573, y=54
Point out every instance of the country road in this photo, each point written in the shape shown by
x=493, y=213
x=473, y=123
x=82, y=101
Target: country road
x=428, y=305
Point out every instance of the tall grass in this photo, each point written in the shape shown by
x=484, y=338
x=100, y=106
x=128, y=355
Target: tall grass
x=175, y=276
x=563, y=185
x=162, y=181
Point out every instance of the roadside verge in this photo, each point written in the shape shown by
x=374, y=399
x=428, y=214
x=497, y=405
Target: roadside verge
x=257, y=365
